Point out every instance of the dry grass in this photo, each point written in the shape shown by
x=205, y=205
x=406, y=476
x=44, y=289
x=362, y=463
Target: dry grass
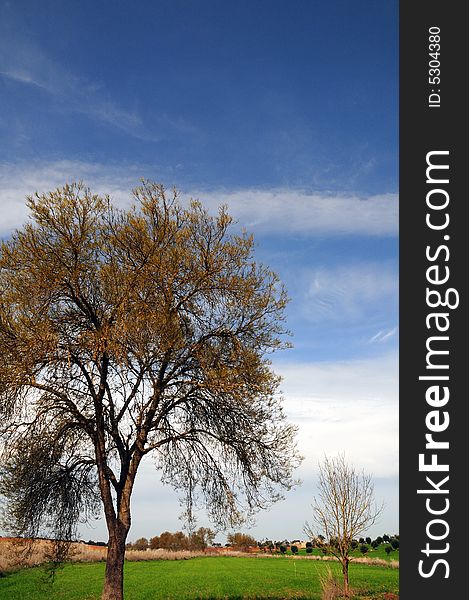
x=379, y=562
x=160, y=554
x=330, y=587
x=17, y=553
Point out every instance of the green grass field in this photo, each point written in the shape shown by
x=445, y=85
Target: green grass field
x=211, y=578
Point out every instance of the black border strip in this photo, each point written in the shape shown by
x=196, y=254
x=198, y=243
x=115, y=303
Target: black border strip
x=433, y=123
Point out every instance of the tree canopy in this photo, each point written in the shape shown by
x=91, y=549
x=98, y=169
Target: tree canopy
x=129, y=332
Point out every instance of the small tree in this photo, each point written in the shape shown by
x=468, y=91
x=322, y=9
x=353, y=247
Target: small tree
x=282, y=549
x=388, y=550
x=294, y=549
x=343, y=509
x=363, y=548
x=368, y=540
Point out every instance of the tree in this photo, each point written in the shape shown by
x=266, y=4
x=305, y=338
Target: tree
x=201, y=539
x=198, y=540
x=125, y=333
x=140, y=544
x=363, y=548
x=241, y=541
x=172, y=541
x=343, y=509
x=155, y=542
x=388, y=550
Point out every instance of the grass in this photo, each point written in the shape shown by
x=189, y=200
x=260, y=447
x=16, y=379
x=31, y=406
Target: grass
x=210, y=578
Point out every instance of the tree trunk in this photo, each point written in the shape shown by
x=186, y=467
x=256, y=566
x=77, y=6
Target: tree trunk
x=114, y=575
x=345, y=573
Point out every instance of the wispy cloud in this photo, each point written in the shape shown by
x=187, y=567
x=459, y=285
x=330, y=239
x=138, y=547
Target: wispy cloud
x=383, y=336
x=22, y=77
x=26, y=64
x=348, y=291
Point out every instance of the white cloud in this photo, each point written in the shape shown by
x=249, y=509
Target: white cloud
x=19, y=181
x=309, y=212
x=350, y=407
x=273, y=211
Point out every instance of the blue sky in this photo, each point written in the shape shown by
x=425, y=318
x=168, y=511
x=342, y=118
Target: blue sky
x=287, y=112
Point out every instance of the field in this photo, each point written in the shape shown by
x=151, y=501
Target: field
x=209, y=578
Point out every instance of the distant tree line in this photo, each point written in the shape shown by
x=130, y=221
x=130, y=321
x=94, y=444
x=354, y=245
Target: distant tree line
x=198, y=540
x=204, y=538
x=93, y=543
x=362, y=543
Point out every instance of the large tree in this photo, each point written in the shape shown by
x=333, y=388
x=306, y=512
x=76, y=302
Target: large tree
x=343, y=509
x=129, y=332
